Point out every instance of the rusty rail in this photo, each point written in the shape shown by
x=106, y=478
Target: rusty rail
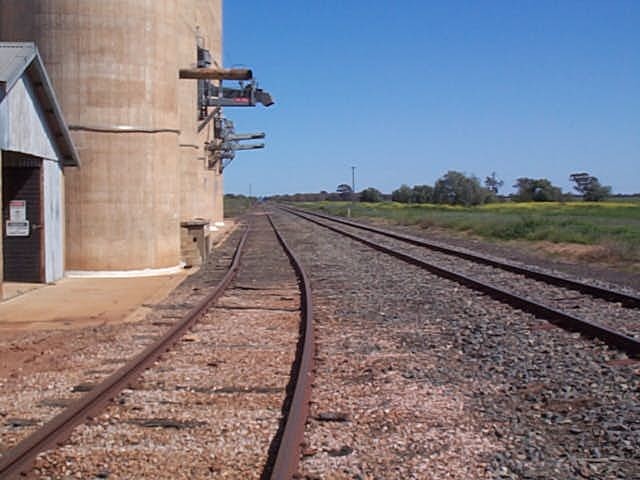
x=599, y=292
x=288, y=454
x=20, y=458
x=611, y=337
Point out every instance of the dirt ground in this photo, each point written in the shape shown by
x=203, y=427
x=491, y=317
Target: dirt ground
x=83, y=302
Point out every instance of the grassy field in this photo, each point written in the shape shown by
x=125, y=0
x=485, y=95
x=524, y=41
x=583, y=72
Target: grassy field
x=612, y=226
x=235, y=206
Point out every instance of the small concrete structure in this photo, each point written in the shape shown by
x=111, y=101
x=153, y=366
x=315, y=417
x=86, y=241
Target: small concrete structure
x=195, y=242
x=35, y=146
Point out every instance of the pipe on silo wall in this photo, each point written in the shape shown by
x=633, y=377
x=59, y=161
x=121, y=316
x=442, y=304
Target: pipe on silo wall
x=114, y=67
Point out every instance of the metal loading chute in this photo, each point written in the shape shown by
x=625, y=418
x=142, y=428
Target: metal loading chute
x=216, y=95
x=245, y=96
x=223, y=149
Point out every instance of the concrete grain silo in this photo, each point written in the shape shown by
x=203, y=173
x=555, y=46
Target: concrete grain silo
x=114, y=66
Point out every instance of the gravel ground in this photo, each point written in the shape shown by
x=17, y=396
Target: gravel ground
x=613, y=315
x=418, y=377
x=211, y=407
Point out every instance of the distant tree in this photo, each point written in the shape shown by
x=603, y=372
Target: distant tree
x=455, y=188
x=536, y=190
x=345, y=191
x=402, y=194
x=422, y=194
x=582, y=181
x=589, y=187
x=371, y=195
x=493, y=183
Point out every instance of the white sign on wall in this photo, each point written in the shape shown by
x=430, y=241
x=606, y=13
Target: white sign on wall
x=17, y=225
x=17, y=229
x=18, y=210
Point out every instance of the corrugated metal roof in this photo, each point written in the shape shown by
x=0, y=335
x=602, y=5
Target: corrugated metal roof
x=17, y=59
x=14, y=59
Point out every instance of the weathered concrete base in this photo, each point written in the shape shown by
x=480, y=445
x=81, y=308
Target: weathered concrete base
x=147, y=272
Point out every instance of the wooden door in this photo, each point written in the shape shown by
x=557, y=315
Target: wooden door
x=23, y=254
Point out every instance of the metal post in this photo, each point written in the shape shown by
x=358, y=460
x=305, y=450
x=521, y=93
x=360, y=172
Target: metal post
x=353, y=181
x=353, y=190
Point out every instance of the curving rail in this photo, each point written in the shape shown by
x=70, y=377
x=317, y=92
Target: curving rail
x=20, y=458
x=288, y=456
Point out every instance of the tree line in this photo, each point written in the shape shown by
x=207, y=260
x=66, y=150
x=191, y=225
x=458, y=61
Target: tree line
x=457, y=188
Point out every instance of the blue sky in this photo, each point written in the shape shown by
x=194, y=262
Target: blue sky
x=406, y=90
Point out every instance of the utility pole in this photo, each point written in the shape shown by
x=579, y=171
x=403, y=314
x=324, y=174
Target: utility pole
x=353, y=190
x=353, y=181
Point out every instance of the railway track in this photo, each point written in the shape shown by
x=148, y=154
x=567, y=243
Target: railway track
x=222, y=393
x=609, y=315
x=417, y=377
x=420, y=377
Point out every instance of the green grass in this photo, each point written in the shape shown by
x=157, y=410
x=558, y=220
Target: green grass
x=613, y=225
x=235, y=206
x=625, y=199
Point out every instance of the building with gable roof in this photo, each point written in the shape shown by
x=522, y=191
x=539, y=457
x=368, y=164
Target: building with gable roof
x=35, y=148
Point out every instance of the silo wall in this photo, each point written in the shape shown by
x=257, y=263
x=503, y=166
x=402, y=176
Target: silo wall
x=210, y=14
x=199, y=22
x=201, y=195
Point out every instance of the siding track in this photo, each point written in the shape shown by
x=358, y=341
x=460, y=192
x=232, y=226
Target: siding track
x=611, y=316
x=216, y=396
x=626, y=299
